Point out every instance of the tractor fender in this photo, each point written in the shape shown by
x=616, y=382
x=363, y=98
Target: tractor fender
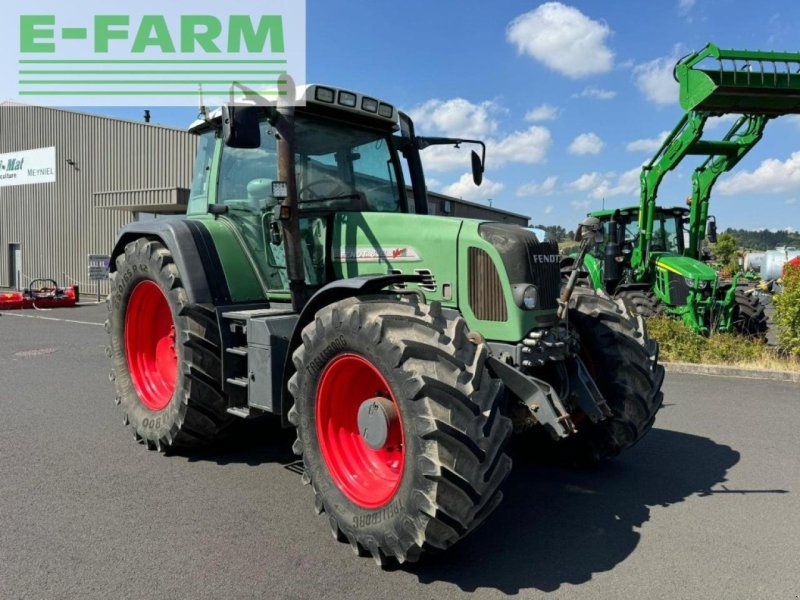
x=193, y=251
x=333, y=292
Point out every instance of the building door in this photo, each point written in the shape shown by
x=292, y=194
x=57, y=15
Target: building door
x=14, y=266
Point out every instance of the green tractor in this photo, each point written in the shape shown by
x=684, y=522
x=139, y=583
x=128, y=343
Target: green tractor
x=652, y=256
x=305, y=282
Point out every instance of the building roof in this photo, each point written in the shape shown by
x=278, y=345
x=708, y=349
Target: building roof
x=15, y=104
x=440, y=196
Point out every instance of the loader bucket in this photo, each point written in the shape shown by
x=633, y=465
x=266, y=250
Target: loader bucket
x=740, y=81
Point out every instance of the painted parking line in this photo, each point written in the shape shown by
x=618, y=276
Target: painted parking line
x=10, y=314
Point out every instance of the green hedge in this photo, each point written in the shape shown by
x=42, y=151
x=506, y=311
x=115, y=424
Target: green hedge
x=787, y=311
x=679, y=343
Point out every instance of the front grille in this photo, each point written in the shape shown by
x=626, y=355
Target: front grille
x=486, y=297
x=527, y=260
x=678, y=290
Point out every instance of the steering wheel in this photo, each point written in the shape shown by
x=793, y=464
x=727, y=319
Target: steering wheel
x=334, y=188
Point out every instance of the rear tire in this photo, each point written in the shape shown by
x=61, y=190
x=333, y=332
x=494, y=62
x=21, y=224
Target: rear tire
x=188, y=408
x=749, y=318
x=624, y=364
x=640, y=303
x=454, y=437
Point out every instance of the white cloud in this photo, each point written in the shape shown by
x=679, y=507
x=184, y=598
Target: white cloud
x=586, y=182
x=790, y=201
x=772, y=176
x=456, y=117
x=545, y=112
x=726, y=120
x=648, y=145
x=445, y=158
x=608, y=185
x=655, y=80
x=581, y=205
x=546, y=188
x=563, y=39
x=465, y=188
x=586, y=143
x=596, y=93
x=685, y=6
x=529, y=147
x=433, y=184
x=463, y=119
x=548, y=209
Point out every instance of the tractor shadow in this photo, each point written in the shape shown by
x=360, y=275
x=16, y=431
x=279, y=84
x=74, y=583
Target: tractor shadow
x=559, y=526
x=253, y=442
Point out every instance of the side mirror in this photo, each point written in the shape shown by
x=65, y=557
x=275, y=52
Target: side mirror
x=240, y=127
x=477, y=168
x=711, y=234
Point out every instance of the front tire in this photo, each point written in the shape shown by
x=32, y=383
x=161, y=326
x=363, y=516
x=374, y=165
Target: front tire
x=749, y=318
x=165, y=353
x=624, y=364
x=437, y=475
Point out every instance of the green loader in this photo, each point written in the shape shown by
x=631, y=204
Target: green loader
x=653, y=256
x=305, y=282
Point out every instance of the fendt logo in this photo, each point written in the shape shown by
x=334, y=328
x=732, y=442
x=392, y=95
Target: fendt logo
x=155, y=53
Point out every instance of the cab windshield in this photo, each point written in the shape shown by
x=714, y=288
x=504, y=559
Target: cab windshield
x=667, y=235
x=343, y=168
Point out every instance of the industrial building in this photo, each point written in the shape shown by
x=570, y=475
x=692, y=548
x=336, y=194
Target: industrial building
x=60, y=173
x=439, y=204
x=69, y=181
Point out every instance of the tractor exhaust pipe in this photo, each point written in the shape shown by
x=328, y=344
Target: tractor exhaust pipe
x=289, y=214
x=589, y=233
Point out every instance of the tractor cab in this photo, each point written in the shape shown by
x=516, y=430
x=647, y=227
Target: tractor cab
x=344, y=157
x=294, y=173
x=621, y=234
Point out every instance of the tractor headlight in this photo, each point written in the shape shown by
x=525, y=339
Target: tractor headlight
x=526, y=296
x=689, y=282
x=702, y=284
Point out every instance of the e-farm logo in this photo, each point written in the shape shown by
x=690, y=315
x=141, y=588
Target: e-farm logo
x=181, y=57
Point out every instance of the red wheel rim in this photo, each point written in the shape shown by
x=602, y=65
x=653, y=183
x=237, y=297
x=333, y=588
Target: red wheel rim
x=150, y=345
x=368, y=477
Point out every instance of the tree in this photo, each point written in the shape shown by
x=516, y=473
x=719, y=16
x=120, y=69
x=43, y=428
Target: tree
x=556, y=232
x=726, y=248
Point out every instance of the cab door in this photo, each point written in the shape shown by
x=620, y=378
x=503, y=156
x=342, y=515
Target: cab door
x=245, y=189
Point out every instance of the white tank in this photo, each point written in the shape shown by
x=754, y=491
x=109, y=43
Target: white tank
x=753, y=261
x=772, y=266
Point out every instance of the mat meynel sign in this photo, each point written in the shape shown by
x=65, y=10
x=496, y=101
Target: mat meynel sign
x=85, y=53
x=28, y=166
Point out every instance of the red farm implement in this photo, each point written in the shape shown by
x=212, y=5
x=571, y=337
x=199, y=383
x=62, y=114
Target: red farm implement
x=42, y=293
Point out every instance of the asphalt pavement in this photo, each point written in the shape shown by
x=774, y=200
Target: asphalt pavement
x=706, y=506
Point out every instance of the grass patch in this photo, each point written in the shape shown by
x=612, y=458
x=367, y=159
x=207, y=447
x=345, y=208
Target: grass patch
x=680, y=344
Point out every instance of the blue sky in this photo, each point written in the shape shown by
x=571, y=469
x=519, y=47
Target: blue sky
x=571, y=97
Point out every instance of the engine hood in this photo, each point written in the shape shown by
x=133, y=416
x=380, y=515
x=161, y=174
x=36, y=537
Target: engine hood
x=686, y=267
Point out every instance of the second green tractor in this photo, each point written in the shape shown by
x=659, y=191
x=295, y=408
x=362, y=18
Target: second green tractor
x=652, y=256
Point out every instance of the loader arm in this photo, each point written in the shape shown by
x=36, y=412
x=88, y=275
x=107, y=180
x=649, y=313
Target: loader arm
x=744, y=134
x=713, y=82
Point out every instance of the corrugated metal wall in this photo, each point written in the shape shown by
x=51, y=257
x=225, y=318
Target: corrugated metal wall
x=116, y=163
